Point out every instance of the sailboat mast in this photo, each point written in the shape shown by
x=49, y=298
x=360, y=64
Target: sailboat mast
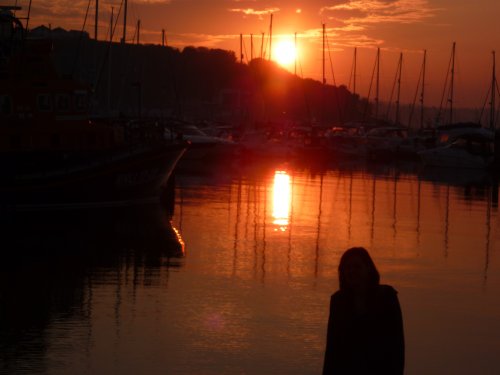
x=111, y=20
x=400, y=66
x=262, y=47
x=28, y=18
x=422, y=92
x=96, y=18
x=271, y=38
x=323, y=92
x=323, y=59
x=452, y=82
x=125, y=21
x=377, y=87
x=241, y=48
x=111, y=25
x=493, y=89
x=295, y=60
x=138, y=30
x=251, y=47
x=354, y=71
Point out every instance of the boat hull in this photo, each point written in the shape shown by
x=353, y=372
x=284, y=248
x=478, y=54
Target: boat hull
x=455, y=158
x=109, y=178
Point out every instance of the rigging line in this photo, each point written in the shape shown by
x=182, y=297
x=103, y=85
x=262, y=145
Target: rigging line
x=444, y=88
x=370, y=89
x=330, y=58
x=412, y=109
x=351, y=74
x=245, y=50
x=108, y=49
x=484, y=105
x=134, y=16
x=129, y=71
x=116, y=19
x=262, y=48
x=498, y=110
x=80, y=39
x=335, y=88
x=308, y=110
x=392, y=92
x=397, y=80
x=28, y=18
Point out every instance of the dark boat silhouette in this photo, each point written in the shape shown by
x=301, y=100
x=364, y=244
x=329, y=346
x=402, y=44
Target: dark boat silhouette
x=51, y=152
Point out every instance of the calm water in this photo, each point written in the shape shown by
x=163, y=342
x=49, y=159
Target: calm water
x=107, y=291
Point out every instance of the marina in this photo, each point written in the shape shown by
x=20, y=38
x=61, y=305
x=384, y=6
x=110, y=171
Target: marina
x=183, y=211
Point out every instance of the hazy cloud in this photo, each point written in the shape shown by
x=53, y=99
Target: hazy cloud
x=255, y=12
x=340, y=37
x=358, y=12
x=352, y=18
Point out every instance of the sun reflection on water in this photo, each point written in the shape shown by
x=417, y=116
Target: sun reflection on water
x=282, y=194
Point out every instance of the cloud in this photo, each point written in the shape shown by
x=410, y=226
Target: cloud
x=338, y=37
x=255, y=12
x=352, y=18
x=359, y=12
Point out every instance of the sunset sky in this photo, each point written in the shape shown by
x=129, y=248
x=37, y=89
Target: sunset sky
x=407, y=26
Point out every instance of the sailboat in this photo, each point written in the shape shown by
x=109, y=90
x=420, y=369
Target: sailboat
x=463, y=145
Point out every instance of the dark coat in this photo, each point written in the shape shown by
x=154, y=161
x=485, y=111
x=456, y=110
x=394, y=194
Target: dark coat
x=367, y=341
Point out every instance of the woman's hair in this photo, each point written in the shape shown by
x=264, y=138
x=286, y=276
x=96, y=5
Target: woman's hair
x=346, y=260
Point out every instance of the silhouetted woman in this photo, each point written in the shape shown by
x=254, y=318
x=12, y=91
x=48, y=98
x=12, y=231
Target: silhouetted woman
x=365, y=327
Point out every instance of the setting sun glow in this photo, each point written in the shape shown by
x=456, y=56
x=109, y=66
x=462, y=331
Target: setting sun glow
x=285, y=52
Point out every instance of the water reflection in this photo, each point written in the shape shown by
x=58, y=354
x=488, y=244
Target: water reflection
x=375, y=206
x=51, y=265
x=432, y=235
x=109, y=291
x=282, y=196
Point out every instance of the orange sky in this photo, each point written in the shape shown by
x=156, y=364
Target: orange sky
x=396, y=26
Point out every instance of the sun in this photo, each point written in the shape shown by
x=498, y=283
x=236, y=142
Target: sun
x=284, y=52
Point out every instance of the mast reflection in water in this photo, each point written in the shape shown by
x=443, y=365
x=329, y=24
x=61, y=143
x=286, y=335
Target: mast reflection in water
x=110, y=292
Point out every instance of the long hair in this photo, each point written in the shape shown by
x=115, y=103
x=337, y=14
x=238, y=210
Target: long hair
x=345, y=261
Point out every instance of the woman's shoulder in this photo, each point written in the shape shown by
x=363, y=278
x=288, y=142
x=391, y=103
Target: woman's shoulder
x=387, y=289
x=386, y=293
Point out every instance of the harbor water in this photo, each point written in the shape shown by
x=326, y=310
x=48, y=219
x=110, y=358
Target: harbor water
x=239, y=280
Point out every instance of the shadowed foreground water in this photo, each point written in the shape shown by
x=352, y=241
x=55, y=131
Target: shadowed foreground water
x=111, y=291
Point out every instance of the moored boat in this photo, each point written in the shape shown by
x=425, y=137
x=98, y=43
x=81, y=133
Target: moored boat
x=462, y=147
x=50, y=150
